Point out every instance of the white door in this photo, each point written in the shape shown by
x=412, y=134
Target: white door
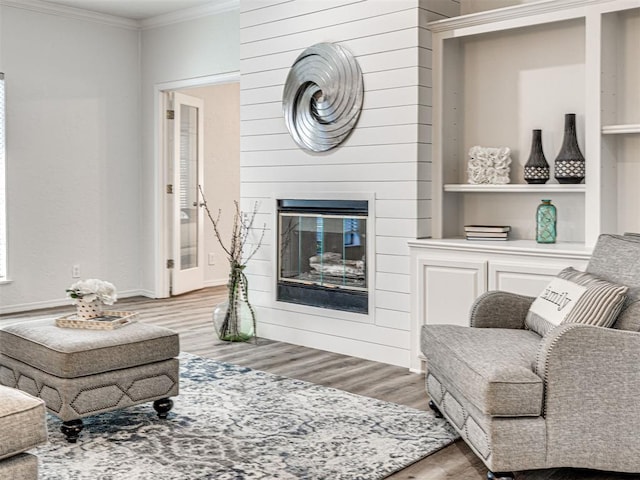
x=187, y=243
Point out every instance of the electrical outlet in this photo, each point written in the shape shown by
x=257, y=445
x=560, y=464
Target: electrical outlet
x=212, y=259
x=75, y=271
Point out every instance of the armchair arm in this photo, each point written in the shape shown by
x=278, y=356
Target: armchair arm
x=497, y=309
x=592, y=387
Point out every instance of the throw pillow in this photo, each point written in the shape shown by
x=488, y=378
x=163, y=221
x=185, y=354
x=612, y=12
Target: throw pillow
x=576, y=297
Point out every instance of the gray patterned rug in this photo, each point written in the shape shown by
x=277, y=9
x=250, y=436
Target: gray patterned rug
x=231, y=422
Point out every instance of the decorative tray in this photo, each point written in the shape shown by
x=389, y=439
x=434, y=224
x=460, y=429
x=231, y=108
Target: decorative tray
x=109, y=320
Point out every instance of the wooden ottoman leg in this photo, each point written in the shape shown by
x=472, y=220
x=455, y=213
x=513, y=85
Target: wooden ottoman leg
x=163, y=406
x=72, y=429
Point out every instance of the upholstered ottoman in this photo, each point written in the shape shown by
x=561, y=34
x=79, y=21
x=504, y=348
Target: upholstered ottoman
x=80, y=372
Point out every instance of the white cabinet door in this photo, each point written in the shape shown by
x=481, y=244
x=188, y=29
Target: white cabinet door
x=525, y=279
x=450, y=287
x=446, y=289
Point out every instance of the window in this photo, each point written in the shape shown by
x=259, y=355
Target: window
x=3, y=209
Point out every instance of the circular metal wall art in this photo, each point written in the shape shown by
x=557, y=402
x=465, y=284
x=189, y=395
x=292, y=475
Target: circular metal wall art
x=322, y=97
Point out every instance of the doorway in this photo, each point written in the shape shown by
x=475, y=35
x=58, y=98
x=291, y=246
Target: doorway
x=192, y=256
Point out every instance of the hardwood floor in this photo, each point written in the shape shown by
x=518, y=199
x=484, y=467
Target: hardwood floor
x=190, y=315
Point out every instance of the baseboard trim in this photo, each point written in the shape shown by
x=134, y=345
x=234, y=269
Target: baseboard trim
x=61, y=302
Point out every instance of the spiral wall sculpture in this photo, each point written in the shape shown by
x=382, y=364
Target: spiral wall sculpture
x=322, y=97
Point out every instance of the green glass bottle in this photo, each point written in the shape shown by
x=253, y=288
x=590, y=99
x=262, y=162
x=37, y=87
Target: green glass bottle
x=546, y=217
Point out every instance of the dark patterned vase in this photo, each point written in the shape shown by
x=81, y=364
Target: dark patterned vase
x=536, y=170
x=569, y=164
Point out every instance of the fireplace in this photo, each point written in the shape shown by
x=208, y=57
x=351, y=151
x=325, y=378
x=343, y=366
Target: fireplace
x=322, y=254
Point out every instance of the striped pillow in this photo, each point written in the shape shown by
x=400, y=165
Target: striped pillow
x=576, y=297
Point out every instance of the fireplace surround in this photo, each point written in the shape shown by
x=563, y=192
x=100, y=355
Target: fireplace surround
x=322, y=254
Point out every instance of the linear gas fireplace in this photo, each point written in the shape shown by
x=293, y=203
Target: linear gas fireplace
x=322, y=253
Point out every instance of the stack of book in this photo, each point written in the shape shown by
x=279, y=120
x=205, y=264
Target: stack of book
x=487, y=232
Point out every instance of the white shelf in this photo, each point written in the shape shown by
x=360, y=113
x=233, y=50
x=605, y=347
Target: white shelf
x=516, y=188
x=523, y=247
x=621, y=129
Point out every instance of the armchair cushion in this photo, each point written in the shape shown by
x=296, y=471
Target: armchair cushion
x=576, y=297
x=491, y=367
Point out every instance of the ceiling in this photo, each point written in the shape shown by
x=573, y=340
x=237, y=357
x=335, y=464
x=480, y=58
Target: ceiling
x=135, y=9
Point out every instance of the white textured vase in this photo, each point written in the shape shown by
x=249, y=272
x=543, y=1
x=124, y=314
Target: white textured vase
x=88, y=310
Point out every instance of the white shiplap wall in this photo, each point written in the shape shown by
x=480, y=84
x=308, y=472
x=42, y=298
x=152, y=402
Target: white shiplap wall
x=386, y=158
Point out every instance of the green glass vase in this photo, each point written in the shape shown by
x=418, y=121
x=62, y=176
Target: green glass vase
x=546, y=219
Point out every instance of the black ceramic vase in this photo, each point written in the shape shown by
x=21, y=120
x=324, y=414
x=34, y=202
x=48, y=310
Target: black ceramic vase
x=536, y=170
x=569, y=164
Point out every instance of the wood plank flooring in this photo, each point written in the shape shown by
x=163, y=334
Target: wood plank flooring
x=190, y=315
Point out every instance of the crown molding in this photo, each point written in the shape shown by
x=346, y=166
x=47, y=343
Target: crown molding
x=158, y=21
x=190, y=14
x=509, y=13
x=71, y=12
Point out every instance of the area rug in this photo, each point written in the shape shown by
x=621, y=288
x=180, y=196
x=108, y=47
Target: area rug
x=231, y=422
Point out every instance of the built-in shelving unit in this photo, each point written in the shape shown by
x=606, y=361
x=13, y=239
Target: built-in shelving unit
x=502, y=73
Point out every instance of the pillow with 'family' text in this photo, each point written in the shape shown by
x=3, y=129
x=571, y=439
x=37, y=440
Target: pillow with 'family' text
x=576, y=297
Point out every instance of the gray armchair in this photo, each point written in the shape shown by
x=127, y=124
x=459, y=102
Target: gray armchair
x=522, y=401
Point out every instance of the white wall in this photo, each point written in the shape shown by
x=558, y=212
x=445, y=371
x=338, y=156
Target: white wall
x=386, y=157
x=178, y=52
x=72, y=152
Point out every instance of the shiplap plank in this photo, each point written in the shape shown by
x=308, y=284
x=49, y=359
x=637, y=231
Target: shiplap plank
x=425, y=227
x=325, y=324
x=425, y=115
x=393, y=245
x=387, y=60
x=392, y=264
x=393, y=282
x=340, y=344
x=257, y=267
x=397, y=77
x=403, y=58
x=279, y=11
x=425, y=37
x=424, y=168
x=383, y=98
x=259, y=111
x=396, y=97
x=341, y=32
x=393, y=300
x=386, y=189
x=393, y=319
x=403, y=115
x=397, y=227
x=322, y=19
x=397, y=40
x=328, y=173
x=424, y=153
x=397, y=208
x=410, y=76
x=266, y=94
x=385, y=135
x=260, y=282
x=355, y=155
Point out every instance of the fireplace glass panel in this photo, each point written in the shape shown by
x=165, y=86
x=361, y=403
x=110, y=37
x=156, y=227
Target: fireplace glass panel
x=323, y=250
